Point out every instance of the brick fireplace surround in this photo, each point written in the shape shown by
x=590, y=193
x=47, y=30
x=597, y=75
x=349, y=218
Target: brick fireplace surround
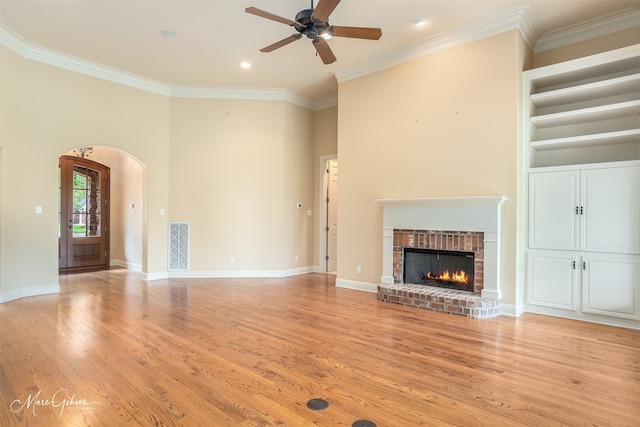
x=465, y=224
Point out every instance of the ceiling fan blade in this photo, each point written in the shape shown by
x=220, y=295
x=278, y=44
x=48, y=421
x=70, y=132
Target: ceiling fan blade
x=281, y=43
x=323, y=9
x=357, y=32
x=265, y=14
x=323, y=49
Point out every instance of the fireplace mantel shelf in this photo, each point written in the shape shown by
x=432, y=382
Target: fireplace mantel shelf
x=445, y=201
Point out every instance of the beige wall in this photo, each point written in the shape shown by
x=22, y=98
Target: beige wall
x=299, y=163
x=234, y=169
x=441, y=126
x=238, y=168
x=52, y=111
x=326, y=145
x=12, y=216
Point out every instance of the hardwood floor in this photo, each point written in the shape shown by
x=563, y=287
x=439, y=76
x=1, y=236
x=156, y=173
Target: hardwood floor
x=113, y=350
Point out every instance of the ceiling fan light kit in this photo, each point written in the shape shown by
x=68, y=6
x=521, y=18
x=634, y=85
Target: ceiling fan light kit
x=314, y=24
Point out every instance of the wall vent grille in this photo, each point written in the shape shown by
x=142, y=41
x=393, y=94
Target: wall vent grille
x=178, y=246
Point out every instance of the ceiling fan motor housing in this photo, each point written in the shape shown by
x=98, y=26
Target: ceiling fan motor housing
x=304, y=17
x=310, y=27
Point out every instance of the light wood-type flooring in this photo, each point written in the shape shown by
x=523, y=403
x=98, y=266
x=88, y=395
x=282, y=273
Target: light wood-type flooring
x=114, y=350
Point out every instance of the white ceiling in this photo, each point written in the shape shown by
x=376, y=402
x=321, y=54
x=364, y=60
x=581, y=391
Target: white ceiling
x=214, y=37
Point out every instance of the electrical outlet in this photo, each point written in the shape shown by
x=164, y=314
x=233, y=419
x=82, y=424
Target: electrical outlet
x=233, y=260
x=296, y=258
x=358, y=269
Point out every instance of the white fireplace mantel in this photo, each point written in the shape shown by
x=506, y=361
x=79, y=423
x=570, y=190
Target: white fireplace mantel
x=477, y=213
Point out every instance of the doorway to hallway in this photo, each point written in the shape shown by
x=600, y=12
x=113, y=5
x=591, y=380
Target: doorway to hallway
x=331, y=209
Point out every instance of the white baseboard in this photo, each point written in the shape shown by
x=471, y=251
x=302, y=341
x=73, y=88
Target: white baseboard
x=585, y=317
x=359, y=286
x=29, y=291
x=221, y=274
x=512, y=310
x=155, y=276
x=125, y=264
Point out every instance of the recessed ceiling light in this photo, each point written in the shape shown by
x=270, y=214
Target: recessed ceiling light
x=169, y=34
x=245, y=65
x=420, y=21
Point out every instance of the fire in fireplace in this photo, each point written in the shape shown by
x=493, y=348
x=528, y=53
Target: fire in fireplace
x=437, y=267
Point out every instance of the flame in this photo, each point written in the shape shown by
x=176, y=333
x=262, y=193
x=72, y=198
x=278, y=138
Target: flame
x=457, y=277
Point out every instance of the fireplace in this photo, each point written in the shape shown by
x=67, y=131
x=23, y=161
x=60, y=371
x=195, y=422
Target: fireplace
x=460, y=224
x=466, y=246
x=441, y=268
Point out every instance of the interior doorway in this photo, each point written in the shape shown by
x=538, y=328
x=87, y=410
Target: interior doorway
x=331, y=209
x=83, y=215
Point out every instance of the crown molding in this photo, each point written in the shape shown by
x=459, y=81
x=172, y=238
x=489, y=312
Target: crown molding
x=78, y=65
x=516, y=18
x=589, y=30
x=81, y=66
x=12, y=41
x=241, y=93
x=324, y=103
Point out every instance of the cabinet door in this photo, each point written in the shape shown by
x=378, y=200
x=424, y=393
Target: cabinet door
x=551, y=280
x=553, y=198
x=610, y=285
x=611, y=210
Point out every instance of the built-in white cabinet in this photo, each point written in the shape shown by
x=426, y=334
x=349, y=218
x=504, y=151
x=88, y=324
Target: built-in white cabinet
x=553, y=279
x=581, y=138
x=583, y=250
x=592, y=283
x=610, y=209
x=553, y=218
x=610, y=285
x=589, y=209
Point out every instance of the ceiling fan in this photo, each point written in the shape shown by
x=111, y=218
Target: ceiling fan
x=314, y=24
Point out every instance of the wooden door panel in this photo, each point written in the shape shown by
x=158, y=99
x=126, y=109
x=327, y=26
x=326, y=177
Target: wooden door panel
x=84, y=230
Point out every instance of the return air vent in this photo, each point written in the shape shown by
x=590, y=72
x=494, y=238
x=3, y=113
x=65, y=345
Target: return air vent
x=178, y=246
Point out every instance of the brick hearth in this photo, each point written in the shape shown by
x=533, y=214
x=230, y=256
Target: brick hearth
x=440, y=299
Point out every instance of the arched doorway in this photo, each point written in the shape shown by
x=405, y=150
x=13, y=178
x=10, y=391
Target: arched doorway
x=83, y=214
x=126, y=204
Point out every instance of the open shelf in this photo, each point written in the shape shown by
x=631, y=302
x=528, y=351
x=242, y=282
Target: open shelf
x=606, y=138
x=603, y=112
x=584, y=92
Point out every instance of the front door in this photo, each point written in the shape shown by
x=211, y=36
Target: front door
x=83, y=217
